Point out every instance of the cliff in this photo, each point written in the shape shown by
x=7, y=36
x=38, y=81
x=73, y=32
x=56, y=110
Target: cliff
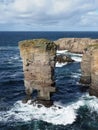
x=75, y=45
x=89, y=67
x=38, y=65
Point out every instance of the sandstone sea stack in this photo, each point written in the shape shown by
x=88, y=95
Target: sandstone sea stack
x=38, y=57
x=89, y=67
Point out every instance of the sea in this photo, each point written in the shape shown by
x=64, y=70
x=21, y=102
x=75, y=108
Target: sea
x=73, y=108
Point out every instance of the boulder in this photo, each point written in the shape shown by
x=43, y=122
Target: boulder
x=63, y=58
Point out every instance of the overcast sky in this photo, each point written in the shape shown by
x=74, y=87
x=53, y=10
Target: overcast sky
x=49, y=15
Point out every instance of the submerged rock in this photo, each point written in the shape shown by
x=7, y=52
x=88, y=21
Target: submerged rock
x=63, y=58
x=38, y=57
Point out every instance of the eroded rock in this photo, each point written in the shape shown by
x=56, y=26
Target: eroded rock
x=38, y=65
x=94, y=72
x=89, y=67
x=75, y=45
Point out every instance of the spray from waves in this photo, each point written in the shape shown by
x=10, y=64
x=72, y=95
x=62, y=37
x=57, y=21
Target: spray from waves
x=58, y=114
x=27, y=112
x=76, y=57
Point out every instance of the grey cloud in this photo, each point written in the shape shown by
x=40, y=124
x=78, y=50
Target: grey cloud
x=49, y=13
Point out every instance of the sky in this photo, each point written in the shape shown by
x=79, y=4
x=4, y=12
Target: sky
x=48, y=15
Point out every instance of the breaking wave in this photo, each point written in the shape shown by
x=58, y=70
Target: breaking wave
x=57, y=114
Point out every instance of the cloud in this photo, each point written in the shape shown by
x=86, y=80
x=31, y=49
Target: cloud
x=52, y=14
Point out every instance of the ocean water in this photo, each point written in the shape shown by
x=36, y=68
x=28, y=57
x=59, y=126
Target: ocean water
x=73, y=108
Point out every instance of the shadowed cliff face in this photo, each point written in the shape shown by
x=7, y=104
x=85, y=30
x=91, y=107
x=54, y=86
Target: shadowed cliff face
x=38, y=65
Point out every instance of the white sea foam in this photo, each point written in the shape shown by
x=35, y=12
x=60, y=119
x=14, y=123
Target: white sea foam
x=58, y=114
x=61, y=51
x=77, y=59
x=91, y=102
x=60, y=64
x=55, y=114
x=74, y=56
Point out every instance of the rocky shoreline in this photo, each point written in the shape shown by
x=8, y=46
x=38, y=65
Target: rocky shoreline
x=39, y=58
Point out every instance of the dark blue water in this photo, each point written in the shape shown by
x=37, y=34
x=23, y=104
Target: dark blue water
x=69, y=92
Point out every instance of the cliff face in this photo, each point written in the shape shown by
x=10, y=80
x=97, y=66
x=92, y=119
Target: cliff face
x=76, y=45
x=94, y=72
x=89, y=67
x=38, y=65
x=86, y=66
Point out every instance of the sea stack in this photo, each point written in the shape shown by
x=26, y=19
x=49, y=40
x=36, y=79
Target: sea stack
x=89, y=67
x=38, y=57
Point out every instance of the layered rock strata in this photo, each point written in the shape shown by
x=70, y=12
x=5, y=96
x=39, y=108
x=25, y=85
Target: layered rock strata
x=75, y=45
x=94, y=72
x=89, y=67
x=38, y=65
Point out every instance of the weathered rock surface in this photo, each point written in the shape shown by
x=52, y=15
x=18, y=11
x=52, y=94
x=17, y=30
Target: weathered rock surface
x=94, y=72
x=89, y=67
x=86, y=67
x=75, y=45
x=38, y=65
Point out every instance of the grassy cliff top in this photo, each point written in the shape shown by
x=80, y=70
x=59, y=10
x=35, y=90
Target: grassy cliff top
x=38, y=43
x=94, y=46
x=34, y=42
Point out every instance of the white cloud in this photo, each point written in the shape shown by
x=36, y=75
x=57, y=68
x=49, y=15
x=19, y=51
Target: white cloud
x=52, y=14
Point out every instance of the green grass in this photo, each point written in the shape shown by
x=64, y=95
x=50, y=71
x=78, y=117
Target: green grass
x=42, y=44
x=95, y=46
